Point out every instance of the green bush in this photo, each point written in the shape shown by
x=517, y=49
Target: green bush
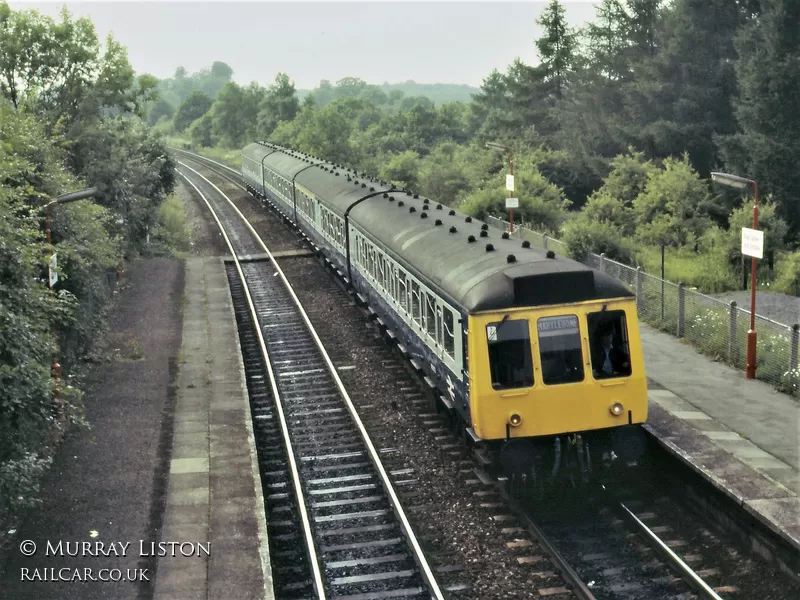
x=542, y=205
x=583, y=236
x=19, y=484
x=787, y=279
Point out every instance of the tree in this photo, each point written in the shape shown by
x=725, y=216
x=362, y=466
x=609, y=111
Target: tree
x=232, y=113
x=607, y=42
x=201, y=131
x=768, y=143
x=673, y=209
x=158, y=109
x=403, y=169
x=194, y=107
x=221, y=70
x=556, y=47
x=688, y=85
x=279, y=104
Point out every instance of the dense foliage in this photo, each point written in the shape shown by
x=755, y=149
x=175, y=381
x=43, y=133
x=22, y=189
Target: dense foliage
x=71, y=113
x=614, y=133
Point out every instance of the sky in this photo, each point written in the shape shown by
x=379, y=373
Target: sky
x=428, y=42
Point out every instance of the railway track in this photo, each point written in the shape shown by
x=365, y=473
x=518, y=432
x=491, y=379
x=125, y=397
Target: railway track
x=338, y=528
x=630, y=560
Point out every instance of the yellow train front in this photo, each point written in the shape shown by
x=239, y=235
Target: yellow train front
x=559, y=386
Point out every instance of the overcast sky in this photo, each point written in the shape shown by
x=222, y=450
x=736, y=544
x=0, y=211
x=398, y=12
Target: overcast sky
x=429, y=42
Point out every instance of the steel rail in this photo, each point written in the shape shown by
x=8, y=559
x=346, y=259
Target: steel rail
x=419, y=556
x=224, y=166
x=311, y=548
x=579, y=588
x=686, y=572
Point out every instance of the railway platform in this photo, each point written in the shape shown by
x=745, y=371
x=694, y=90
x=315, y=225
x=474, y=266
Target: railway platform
x=214, y=496
x=740, y=435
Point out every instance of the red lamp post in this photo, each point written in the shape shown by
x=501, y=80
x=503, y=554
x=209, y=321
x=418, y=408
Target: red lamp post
x=741, y=182
x=502, y=148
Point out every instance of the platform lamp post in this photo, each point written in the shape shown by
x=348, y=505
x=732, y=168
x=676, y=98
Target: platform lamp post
x=509, y=181
x=741, y=183
x=51, y=279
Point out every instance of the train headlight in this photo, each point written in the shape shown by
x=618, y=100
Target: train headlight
x=616, y=409
x=515, y=420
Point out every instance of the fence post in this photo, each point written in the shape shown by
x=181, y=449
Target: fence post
x=681, y=307
x=603, y=262
x=545, y=241
x=733, y=356
x=795, y=341
x=639, y=295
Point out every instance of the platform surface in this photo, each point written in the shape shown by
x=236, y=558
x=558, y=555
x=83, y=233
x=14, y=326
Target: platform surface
x=214, y=492
x=739, y=434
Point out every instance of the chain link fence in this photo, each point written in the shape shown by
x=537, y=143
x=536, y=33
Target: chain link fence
x=716, y=328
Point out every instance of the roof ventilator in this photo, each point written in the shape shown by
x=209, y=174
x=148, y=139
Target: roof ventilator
x=489, y=248
x=511, y=258
x=505, y=235
x=484, y=233
x=550, y=254
x=471, y=239
x=453, y=229
x=526, y=244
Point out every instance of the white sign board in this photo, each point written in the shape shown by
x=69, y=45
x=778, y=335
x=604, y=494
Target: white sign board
x=752, y=242
x=53, y=266
x=512, y=202
x=510, y=183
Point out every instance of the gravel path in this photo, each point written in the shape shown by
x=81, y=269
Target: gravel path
x=778, y=307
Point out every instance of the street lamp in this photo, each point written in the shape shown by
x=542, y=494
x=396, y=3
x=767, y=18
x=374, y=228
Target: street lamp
x=63, y=199
x=503, y=148
x=741, y=183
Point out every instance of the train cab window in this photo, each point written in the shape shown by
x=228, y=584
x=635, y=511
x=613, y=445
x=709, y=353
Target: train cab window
x=560, y=349
x=608, y=336
x=510, y=360
x=449, y=336
x=416, y=302
x=430, y=315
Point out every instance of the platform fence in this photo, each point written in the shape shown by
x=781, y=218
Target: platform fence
x=715, y=328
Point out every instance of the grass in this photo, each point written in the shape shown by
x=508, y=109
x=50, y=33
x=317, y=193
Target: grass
x=706, y=272
x=172, y=235
x=227, y=156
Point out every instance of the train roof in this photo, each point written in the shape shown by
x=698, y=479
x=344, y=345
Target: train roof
x=443, y=248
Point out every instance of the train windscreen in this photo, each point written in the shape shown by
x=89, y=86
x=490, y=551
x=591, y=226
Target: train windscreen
x=560, y=349
x=608, y=336
x=510, y=354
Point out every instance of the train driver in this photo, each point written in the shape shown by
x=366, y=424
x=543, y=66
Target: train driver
x=608, y=360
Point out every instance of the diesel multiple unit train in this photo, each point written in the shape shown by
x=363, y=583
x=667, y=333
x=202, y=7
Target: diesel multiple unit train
x=537, y=357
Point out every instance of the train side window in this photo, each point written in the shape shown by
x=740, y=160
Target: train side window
x=449, y=336
x=608, y=339
x=510, y=361
x=430, y=315
x=416, y=302
x=402, y=290
x=560, y=349
x=439, y=336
